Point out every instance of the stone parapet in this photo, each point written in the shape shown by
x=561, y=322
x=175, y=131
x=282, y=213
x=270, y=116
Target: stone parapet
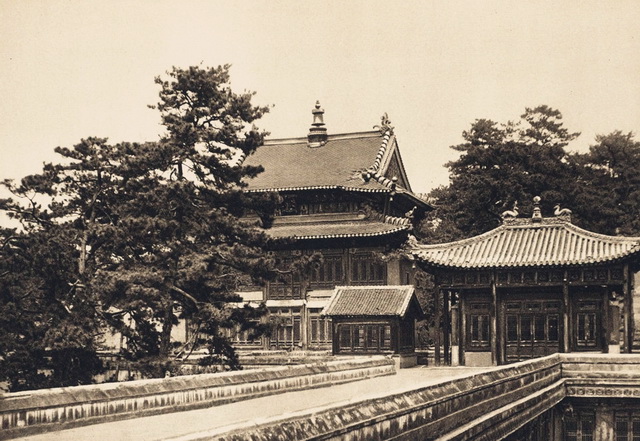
x=601, y=375
x=29, y=412
x=424, y=413
x=485, y=407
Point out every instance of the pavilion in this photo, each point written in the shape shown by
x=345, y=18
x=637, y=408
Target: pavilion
x=532, y=287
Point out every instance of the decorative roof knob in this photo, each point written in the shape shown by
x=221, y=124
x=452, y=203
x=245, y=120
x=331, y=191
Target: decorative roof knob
x=317, y=136
x=318, y=115
x=537, y=214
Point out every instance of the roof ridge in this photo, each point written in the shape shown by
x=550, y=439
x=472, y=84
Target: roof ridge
x=381, y=151
x=465, y=241
x=330, y=137
x=374, y=170
x=393, y=220
x=603, y=236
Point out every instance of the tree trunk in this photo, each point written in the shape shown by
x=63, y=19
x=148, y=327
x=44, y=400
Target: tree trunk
x=165, y=336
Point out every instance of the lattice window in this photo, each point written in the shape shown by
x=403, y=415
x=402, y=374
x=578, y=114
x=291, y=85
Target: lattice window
x=367, y=270
x=478, y=326
x=286, y=328
x=587, y=324
x=627, y=426
x=364, y=337
x=242, y=338
x=579, y=427
x=330, y=271
x=320, y=329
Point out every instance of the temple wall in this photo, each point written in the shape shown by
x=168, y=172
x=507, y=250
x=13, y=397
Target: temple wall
x=474, y=359
x=28, y=412
x=394, y=272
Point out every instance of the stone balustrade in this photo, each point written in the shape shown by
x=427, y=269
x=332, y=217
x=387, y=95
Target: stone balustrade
x=601, y=375
x=451, y=406
x=29, y=412
x=487, y=406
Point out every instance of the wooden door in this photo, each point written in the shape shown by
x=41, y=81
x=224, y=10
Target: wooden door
x=533, y=329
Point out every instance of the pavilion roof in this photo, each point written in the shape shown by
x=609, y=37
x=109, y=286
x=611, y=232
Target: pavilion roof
x=367, y=301
x=530, y=243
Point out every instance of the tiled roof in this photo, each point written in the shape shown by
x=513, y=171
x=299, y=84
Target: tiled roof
x=550, y=242
x=335, y=226
x=370, y=301
x=292, y=164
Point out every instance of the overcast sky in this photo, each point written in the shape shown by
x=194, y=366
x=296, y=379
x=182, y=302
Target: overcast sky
x=73, y=69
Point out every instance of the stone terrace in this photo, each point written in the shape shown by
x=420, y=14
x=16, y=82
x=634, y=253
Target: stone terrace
x=419, y=403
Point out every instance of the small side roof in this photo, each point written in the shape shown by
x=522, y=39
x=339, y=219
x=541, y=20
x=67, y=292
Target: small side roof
x=367, y=301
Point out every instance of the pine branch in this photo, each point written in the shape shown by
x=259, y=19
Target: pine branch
x=185, y=294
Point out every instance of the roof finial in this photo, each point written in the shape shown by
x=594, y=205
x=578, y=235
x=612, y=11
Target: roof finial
x=511, y=213
x=537, y=214
x=385, y=124
x=562, y=212
x=317, y=136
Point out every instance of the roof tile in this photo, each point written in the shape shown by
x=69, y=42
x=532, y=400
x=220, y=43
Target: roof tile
x=552, y=242
x=292, y=164
x=335, y=230
x=370, y=301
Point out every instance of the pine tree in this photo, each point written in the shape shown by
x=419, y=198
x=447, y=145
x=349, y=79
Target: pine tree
x=134, y=237
x=502, y=164
x=50, y=311
x=610, y=183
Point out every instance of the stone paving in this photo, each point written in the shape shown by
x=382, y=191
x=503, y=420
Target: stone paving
x=177, y=424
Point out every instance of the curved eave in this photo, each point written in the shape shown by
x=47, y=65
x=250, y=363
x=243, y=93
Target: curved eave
x=319, y=187
x=416, y=200
x=498, y=245
x=363, y=315
x=346, y=236
x=552, y=264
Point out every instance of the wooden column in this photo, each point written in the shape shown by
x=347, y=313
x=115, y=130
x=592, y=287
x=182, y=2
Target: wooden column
x=628, y=309
x=462, y=301
x=446, y=327
x=604, y=424
x=606, y=320
x=495, y=355
x=305, y=324
x=566, y=323
x=438, y=328
x=502, y=333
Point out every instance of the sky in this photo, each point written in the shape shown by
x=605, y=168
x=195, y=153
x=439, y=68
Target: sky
x=71, y=69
